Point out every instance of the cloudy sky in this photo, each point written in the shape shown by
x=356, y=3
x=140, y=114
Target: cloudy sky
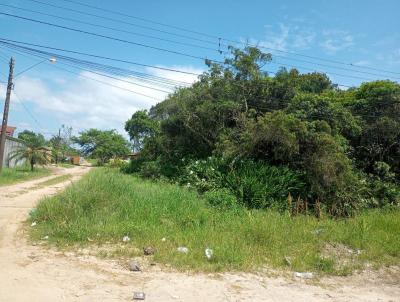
x=363, y=33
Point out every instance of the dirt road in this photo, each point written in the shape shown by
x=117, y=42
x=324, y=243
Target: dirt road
x=32, y=273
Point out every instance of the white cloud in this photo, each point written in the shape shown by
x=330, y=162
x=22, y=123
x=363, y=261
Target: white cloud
x=362, y=63
x=336, y=40
x=84, y=103
x=290, y=36
x=277, y=40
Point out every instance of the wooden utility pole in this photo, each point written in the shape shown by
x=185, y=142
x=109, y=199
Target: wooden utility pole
x=5, y=114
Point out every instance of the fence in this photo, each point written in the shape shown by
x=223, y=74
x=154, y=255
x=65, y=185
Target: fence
x=11, y=145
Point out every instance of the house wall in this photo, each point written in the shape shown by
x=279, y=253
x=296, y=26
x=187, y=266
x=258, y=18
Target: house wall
x=11, y=145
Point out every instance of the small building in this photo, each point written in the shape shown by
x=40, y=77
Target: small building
x=76, y=160
x=9, y=131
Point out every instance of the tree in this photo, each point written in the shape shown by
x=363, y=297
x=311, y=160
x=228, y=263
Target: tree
x=32, y=138
x=102, y=145
x=377, y=104
x=33, y=150
x=61, y=143
x=139, y=127
x=302, y=121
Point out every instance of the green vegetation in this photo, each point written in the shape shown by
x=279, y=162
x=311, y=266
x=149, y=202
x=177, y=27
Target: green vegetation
x=33, y=151
x=107, y=205
x=10, y=176
x=60, y=145
x=54, y=181
x=102, y=145
x=340, y=149
x=284, y=171
x=66, y=165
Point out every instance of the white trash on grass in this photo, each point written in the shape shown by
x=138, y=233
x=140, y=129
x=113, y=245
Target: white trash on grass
x=306, y=275
x=209, y=253
x=183, y=249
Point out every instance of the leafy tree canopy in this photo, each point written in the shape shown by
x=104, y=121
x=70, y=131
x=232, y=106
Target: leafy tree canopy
x=102, y=145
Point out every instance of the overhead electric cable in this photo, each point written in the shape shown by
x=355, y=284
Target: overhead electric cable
x=112, y=28
x=107, y=37
x=107, y=68
x=216, y=37
x=102, y=57
x=121, y=21
x=106, y=83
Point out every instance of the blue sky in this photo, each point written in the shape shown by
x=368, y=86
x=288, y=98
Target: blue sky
x=364, y=33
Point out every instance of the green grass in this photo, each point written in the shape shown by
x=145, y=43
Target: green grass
x=54, y=181
x=107, y=205
x=11, y=176
x=66, y=165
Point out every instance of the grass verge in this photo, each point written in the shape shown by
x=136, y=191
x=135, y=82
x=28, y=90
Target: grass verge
x=66, y=165
x=107, y=205
x=11, y=176
x=54, y=181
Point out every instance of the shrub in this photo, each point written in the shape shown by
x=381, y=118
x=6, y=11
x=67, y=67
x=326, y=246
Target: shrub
x=134, y=166
x=221, y=199
x=259, y=185
x=204, y=175
x=254, y=184
x=382, y=193
x=116, y=163
x=150, y=169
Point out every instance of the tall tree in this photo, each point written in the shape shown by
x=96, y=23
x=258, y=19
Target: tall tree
x=102, y=145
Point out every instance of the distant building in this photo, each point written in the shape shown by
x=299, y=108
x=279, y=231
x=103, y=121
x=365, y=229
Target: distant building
x=9, y=131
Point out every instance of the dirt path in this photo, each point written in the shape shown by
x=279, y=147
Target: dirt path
x=32, y=273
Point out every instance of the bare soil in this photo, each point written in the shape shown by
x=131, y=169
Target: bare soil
x=31, y=272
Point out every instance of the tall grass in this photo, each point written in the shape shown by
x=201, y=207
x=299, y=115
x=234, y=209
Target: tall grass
x=13, y=175
x=107, y=205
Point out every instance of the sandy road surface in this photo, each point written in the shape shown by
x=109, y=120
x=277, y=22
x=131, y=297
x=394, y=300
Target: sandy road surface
x=32, y=273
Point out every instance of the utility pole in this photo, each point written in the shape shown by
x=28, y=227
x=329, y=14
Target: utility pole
x=5, y=114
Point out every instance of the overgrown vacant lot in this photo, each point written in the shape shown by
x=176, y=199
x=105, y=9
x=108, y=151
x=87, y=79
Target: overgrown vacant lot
x=10, y=176
x=106, y=205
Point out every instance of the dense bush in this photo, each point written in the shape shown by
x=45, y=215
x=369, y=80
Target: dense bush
x=300, y=121
x=254, y=184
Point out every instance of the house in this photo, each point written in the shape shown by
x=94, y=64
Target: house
x=9, y=131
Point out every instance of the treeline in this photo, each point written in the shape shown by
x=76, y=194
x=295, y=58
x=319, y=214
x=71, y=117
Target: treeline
x=102, y=146
x=245, y=138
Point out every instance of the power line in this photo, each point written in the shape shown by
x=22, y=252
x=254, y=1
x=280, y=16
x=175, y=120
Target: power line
x=139, y=44
x=328, y=72
x=187, y=44
x=330, y=66
x=218, y=38
x=19, y=100
x=106, y=83
x=74, y=60
x=107, y=37
x=27, y=110
x=281, y=64
x=121, y=21
x=104, y=57
x=112, y=28
x=141, y=19
x=108, y=69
